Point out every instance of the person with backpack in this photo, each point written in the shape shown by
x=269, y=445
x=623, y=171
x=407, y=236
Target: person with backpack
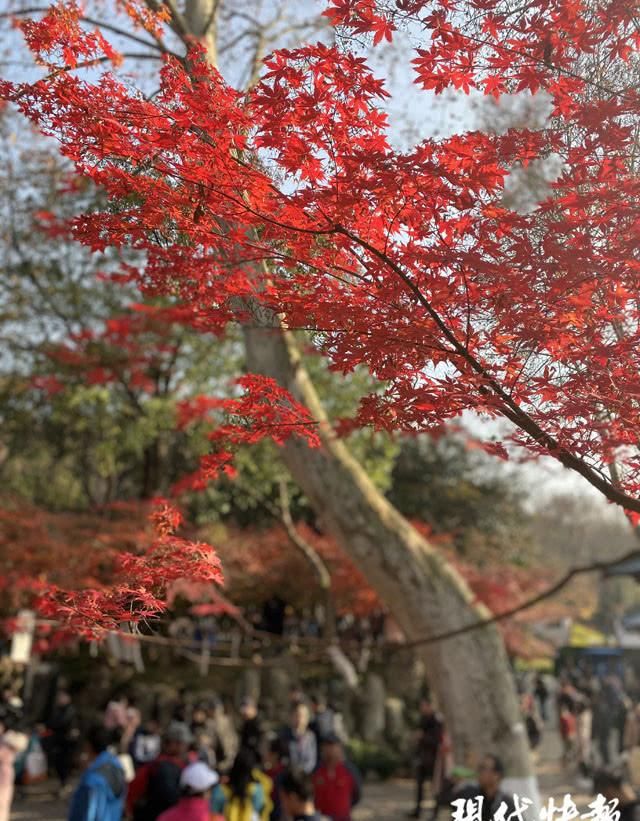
x=100, y=795
x=156, y=786
x=242, y=797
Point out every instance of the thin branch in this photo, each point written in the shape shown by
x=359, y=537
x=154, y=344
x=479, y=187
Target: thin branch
x=158, y=45
x=547, y=593
x=212, y=17
x=309, y=552
x=94, y=22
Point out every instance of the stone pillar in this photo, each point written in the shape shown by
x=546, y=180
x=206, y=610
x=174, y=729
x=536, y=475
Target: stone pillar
x=373, y=708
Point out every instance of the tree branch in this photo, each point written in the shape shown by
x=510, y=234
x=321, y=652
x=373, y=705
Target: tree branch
x=313, y=557
x=563, y=581
x=507, y=406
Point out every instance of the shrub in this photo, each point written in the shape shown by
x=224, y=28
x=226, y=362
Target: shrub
x=375, y=759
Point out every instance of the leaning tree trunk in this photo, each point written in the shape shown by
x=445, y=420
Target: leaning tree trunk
x=470, y=674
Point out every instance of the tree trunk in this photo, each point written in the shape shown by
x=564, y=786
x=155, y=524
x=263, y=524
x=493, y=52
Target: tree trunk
x=470, y=674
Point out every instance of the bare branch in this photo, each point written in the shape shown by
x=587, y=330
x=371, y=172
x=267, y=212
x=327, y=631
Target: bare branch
x=547, y=593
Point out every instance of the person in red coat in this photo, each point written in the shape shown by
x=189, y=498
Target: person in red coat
x=336, y=782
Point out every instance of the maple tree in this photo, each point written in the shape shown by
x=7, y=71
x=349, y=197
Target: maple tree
x=75, y=568
x=285, y=208
x=261, y=563
x=417, y=235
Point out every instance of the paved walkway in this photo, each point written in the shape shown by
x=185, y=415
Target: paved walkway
x=389, y=801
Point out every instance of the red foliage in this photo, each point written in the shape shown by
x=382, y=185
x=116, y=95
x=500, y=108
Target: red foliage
x=264, y=410
x=261, y=563
x=407, y=261
x=91, y=571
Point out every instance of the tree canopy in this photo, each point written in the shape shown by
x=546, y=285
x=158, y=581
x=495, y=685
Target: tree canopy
x=284, y=205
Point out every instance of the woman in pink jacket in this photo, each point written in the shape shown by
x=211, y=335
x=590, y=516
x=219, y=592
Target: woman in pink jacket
x=197, y=781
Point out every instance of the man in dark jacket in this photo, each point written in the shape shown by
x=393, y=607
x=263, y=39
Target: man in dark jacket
x=102, y=788
x=429, y=739
x=251, y=734
x=487, y=791
x=613, y=787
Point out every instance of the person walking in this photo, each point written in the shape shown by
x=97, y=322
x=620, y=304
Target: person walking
x=428, y=741
x=567, y=734
x=532, y=719
x=11, y=745
x=197, y=781
x=251, y=735
x=145, y=744
x=323, y=723
x=336, y=782
x=63, y=738
x=584, y=731
x=276, y=761
x=541, y=692
x=623, y=707
x=601, y=726
x=100, y=795
x=632, y=744
x=156, y=786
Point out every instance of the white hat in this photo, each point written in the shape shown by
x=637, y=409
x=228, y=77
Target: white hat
x=198, y=777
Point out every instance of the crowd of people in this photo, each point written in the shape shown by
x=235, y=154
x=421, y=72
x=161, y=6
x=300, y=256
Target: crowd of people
x=197, y=765
x=598, y=720
x=194, y=768
x=598, y=717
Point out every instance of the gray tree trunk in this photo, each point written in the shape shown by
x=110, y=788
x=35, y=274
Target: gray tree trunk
x=470, y=674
